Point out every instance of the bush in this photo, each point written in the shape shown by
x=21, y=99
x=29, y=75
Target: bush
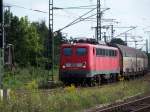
x=22, y=76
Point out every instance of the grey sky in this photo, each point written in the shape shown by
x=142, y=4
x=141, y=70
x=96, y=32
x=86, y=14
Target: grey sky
x=127, y=12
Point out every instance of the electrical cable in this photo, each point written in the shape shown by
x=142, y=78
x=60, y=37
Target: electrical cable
x=18, y=6
x=125, y=32
x=78, y=7
x=79, y=18
x=55, y=8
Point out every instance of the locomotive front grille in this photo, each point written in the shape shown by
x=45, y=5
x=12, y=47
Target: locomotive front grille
x=75, y=74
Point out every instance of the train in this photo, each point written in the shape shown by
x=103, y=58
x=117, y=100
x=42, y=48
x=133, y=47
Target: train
x=88, y=63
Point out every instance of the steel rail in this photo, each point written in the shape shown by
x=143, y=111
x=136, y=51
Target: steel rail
x=128, y=106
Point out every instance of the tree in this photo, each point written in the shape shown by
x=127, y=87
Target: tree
x=30, y=40
x=24, y=36
x=43, y=32
x=117, y=41
x=58, y=40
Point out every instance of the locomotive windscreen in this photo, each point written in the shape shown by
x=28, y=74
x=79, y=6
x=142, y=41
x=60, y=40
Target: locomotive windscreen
x=67, y=51
x=81, y=51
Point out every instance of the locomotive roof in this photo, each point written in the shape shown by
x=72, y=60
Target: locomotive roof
x=87, y=44
x=131, y=52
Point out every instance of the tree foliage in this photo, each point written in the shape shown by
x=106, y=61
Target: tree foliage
x=118, y=41
x=29, y=40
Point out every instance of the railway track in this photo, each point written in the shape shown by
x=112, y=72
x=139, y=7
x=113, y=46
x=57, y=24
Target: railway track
x=139, y=105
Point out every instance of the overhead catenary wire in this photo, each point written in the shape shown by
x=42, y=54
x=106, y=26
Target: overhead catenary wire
x=125, y=32
x=82, y=19
x=79, y=18
x=18, y=6
x=55, y=8
x=78, y=7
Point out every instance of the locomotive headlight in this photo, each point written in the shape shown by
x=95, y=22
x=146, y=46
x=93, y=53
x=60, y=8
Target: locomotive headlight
x=63, y=66
x=84, y=65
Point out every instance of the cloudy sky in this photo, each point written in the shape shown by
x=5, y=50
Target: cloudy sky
x=126, y=12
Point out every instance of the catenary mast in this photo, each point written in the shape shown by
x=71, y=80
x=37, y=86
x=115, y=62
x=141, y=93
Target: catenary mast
x=1, y=42
x=50, y=44
x=98, y=20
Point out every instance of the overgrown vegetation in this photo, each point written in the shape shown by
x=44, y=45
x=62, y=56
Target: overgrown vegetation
x=31, y=53
x=70, y=99
x=21, y=76
x=30, y=40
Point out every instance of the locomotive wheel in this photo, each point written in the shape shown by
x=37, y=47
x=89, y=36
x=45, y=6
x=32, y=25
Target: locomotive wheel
x=84, y=83
x=91, y=82
x=98, y=80
x=115, y=78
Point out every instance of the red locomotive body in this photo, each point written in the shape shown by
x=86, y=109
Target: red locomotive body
x=83, y=62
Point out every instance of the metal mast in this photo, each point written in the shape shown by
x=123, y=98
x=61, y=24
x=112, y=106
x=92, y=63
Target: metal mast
x=98, y=20
x=51, y=38
x=1, y=42
x=146, y=45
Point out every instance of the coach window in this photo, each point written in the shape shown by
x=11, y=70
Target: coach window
x=81, y=51
x=67, y=51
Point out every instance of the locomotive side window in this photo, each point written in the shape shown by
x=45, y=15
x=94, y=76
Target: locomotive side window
x=114, y=53
x=100, y=52
x=103, y=52
x=110, y=52
x=97, y=52
x=81, y=51
x=106, y=52
x=67, y=51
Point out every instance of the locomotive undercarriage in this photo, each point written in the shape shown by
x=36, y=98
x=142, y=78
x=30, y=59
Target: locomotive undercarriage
x=82, y=79
x=91, y=81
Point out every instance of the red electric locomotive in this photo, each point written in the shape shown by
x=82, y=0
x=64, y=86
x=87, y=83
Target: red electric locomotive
x=92, y=63
x=88, y=63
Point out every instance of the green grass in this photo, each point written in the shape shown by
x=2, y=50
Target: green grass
x=22, y=76
x=71, y=99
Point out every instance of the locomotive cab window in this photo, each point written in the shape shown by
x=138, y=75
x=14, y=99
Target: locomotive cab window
x=81, y=51
x=67, y=51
